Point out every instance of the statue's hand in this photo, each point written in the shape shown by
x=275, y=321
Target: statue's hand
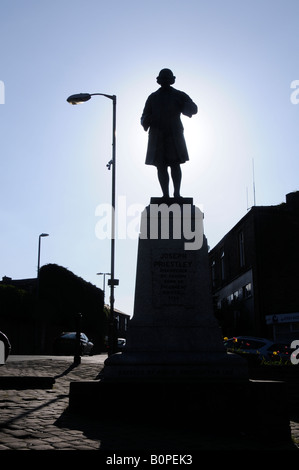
x=145, y=122
x=189, y=108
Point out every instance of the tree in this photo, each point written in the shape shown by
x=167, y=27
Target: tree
x=62, y=295
x=15, y=303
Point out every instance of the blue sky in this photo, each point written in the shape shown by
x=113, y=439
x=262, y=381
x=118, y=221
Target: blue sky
x=236, y=59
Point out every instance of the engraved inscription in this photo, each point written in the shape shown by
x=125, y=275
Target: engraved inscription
x=173, y=279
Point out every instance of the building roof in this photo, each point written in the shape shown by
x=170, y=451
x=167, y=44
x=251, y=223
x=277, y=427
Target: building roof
x=292, y=203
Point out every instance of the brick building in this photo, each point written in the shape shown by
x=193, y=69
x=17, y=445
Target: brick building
x=255, y=273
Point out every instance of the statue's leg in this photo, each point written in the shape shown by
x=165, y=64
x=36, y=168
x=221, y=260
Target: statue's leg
x=176, y=175
x=163, y=177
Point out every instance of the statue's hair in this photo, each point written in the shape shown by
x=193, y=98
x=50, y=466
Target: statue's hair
x=166, y=76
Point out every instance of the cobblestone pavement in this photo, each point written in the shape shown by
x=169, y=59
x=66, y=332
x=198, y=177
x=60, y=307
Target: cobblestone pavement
x=33, y=418
x=39, y=419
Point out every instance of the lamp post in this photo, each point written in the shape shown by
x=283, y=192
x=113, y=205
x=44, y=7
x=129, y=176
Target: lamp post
x=39, y=331
x=38, y=256
x=82, y=98
x=104, y=274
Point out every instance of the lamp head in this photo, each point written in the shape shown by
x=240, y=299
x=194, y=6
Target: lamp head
x=79, y=98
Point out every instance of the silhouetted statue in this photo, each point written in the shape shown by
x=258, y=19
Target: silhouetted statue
x=166, y=142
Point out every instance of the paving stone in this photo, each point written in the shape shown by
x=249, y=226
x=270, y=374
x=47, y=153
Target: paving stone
x=41, y=446
x=39, y=419
x=3, y=447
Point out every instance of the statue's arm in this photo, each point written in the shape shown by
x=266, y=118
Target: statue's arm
x=188, y=106
x=146, y=115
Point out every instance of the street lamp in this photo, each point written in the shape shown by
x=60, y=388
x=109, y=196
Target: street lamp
x=39, y=339
x=104, y=274
x=81, y=98
x=38, y=257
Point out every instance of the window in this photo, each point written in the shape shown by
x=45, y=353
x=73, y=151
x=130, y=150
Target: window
x=222, y=266
x=213, y=267
x=236, y=295
x=247, y=290
x=241, y=250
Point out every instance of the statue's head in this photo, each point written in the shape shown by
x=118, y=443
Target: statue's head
x=165, y=77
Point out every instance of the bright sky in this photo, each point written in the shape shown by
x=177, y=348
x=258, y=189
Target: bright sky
x=236, y=59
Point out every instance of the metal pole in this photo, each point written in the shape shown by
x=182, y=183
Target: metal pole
x=77, y=355
x=104, y=281
x=112, y=280
x=39, y=340
x=79, y=98
x=38, y=256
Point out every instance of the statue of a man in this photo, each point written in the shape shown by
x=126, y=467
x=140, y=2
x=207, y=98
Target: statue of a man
x=166, y=142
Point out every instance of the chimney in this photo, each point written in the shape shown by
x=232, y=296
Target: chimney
x=292, y=200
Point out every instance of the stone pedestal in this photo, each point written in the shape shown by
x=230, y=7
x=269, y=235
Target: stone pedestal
x=174, y=370
x=173, y=334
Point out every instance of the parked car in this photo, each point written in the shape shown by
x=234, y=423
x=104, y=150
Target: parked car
x=258, y=349
x=121, y=342
x=65, y=344
x=280, y=351
x=7, y=348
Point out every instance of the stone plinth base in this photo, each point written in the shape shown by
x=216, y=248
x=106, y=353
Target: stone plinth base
x=174, y=366
x=253, y=408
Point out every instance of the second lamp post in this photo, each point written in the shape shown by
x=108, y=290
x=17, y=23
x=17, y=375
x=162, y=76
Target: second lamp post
x=81, y=98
